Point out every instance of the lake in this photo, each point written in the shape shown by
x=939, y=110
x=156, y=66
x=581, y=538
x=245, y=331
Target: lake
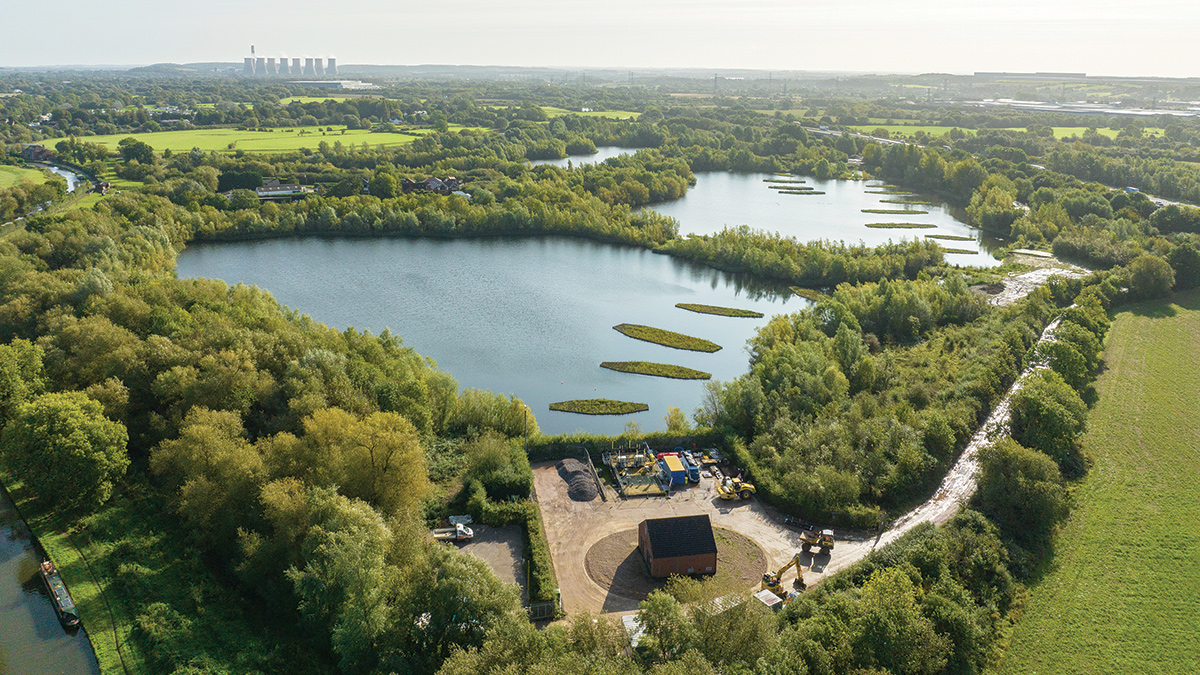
x=32, y=641
x=531, y=317
x=725, y=199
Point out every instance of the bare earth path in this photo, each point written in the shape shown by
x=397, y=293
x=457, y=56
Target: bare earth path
x=572, y=528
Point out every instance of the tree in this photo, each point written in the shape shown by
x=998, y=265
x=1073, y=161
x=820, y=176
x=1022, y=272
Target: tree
x=669, y=633
x=20, y=376
x=384, y=185
x=1150, y=277
x=133, y=149
x=1021, y=490
x=892, y=632
x=1048, y=415
x=1185, y=261
x=64, y=447
x=677, y=422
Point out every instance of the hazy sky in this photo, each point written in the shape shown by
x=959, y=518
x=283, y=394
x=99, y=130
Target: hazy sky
x=1109, y=37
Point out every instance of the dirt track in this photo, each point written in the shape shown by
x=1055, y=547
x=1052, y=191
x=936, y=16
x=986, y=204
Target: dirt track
x=573, y=527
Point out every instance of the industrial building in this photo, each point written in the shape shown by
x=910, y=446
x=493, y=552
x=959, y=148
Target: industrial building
x=680, y=545
x=270, y=66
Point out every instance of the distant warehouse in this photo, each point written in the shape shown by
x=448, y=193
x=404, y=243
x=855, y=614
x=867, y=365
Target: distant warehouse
x=682, y=545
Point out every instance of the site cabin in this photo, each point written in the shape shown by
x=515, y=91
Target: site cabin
x=680, y=545
x=459, y=532
x=673, y=471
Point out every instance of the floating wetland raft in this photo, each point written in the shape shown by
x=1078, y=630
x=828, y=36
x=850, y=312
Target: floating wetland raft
x=949, y=237
x=965, y=251
x=893, y=193
x=808, y=293
x=896, y=212
x=920, y=202
x=666, y=338
x=900, y=226
x=599, y=406
x=657, y=370
x=719, y=311
x=800, y=192
x=783, y=180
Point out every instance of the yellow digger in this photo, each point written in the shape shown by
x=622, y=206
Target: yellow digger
x=771, y=581
x=734, y=488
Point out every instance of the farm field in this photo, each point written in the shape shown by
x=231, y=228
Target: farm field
x=279, y=140
x=1124, y=593
x=11, y=175
x=611, y=114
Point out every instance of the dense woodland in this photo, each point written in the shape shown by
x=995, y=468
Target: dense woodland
x=260, y=484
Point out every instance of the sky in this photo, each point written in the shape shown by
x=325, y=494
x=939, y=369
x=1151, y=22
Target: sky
x=1098, y=37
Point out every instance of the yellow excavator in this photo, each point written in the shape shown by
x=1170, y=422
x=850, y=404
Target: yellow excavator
x=771, y=581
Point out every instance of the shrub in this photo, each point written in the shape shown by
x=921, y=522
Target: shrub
x=1021, y=490
x=1048, y=416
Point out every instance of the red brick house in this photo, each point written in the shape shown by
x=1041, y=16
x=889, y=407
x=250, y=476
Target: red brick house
x=681, y=545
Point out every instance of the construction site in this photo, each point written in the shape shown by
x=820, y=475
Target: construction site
x=602, y=520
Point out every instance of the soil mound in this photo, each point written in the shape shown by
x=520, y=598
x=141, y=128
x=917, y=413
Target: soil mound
x=580, y=485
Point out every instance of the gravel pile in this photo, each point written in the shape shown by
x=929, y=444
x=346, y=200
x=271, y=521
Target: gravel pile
x=580, y=485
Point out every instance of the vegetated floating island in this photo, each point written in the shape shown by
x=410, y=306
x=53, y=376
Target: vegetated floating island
x=801, y=192
x=923, y=202
x=801, y=188
x=720, y=311
x=900, y=226
x=783, y=180
x=809, y=294
x=666, y=338
x=657, y=370
x=893, y=193
x=599, y=406
x=886, y=185
x=949, y=237
x=896, y=212
x=965, y=251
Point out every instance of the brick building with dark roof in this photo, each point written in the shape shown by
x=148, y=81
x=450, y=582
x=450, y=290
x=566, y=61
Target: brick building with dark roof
x=681, y=545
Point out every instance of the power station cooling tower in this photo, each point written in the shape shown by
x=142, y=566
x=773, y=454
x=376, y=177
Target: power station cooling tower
x=309, y=71
x=271, y=66
x=296, y=68
x=260, y=65
x=248, y=66
x=320, y=64
x=283, y=67
x=331, y=67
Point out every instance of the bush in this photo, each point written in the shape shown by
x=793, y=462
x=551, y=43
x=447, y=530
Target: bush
x=500, y=466
x=1150, y=277
x=1021, y=490
x=1049, y=416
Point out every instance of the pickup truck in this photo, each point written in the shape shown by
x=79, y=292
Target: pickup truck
x=459, y=532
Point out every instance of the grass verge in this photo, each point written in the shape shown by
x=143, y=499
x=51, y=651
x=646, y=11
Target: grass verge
x=599, y=406
x=1124, y=593
x=72, y=563
x=896, y=212
x=900, y=226
x=666, y=338
x=657, y=370
x=719, y=311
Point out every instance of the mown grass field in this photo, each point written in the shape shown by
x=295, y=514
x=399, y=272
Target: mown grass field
x=611, y=114
x=1124, y=593
x=11, y=175
x=279, y=140
x=320, y=99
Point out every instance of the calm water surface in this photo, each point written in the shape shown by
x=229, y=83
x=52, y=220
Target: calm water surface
x=723, y=199
x=531, y=317
x=578, y=160
x=32, y=641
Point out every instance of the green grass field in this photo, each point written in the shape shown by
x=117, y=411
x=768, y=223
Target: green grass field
x=279, y=140
x=319, y=99
x=11, y=175
x=1124, y=594
x=611, y=114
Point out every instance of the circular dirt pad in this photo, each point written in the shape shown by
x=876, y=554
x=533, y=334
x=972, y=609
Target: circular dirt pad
x=615, y=563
